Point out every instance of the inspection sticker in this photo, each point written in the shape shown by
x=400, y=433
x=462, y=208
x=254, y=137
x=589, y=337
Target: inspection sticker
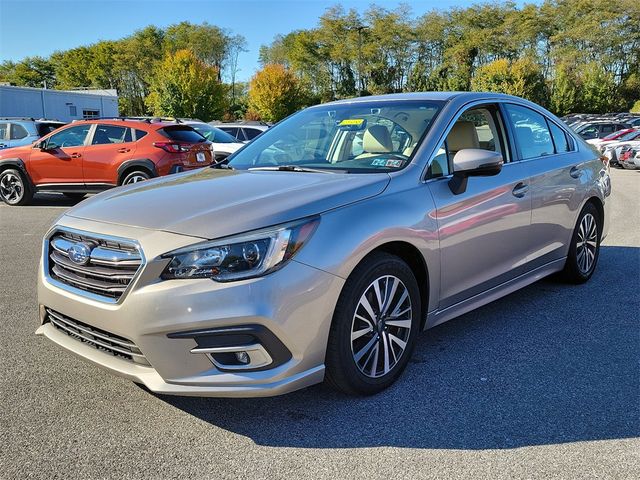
x=378, y=162
x=394, y=163
x=351, y=122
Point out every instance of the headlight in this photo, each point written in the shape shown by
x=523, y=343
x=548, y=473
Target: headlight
x=242, y=256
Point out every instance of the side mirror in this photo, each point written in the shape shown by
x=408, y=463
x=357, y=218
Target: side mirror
x=473, y=162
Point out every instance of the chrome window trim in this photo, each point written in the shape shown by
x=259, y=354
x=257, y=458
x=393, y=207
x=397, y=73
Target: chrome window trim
x=83, y=293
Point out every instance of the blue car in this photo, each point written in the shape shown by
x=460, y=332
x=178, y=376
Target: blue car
x=15, y=132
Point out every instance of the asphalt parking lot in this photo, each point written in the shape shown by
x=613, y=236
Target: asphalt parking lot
x=541, y=384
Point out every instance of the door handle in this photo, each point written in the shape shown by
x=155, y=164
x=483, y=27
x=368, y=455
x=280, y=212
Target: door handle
x=124, y=150
x=575, y=172
x=75, y=155
x=520, y=190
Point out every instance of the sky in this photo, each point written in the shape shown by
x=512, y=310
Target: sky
x=31, y=27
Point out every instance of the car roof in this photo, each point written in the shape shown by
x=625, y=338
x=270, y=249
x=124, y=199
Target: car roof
x=427, y=96
x=130, y=122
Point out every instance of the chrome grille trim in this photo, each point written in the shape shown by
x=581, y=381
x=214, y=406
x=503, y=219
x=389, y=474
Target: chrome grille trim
x=96, y=338
x=110, y=271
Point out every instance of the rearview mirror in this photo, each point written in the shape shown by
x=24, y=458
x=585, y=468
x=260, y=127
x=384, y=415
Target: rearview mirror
x=473, y=162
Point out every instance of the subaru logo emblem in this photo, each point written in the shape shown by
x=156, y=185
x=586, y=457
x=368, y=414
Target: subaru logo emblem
x=79, y=253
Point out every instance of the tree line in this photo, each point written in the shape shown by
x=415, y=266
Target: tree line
x=177, y=71
x=568, y=55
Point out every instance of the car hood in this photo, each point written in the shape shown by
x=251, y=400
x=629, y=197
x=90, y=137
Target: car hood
x=212, y=203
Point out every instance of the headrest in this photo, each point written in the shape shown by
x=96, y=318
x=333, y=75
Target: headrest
x=377, y=139
x=462, y=135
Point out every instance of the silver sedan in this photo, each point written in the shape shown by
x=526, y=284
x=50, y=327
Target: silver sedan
x=320, y=250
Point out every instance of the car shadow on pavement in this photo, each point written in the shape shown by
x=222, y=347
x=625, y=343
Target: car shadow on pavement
x=552, y=363
x=52, y=200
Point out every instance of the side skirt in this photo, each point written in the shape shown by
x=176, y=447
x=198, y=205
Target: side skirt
x=440, y=316
x=74, y=187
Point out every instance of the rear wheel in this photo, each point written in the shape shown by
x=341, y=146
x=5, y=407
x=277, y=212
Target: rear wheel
x=14, y=187
x=585, y=246
x=135, y=177
x=374, y=326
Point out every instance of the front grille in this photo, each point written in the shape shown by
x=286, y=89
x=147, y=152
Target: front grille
x=111, y=266
x=98, y=339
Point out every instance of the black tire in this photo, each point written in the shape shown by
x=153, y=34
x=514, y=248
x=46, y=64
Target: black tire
x=343, y=371
x=75, y=195
x=134, y=177
x=575, y=270
x=15, y=189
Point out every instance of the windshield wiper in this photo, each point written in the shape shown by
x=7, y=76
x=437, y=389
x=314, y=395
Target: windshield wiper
x=289, y=168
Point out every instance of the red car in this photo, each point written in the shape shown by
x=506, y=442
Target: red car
x=93, y=155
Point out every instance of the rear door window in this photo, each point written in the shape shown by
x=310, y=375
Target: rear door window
x=4, y=130
x=532, y=135
x=106, y=134
x=182, y=133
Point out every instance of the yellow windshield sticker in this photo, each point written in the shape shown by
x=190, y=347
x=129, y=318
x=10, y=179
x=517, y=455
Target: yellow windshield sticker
x=350, y=122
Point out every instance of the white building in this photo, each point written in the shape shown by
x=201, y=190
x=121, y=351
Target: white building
x=63, y=105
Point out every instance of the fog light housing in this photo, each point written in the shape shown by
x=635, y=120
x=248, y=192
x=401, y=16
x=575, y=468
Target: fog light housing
x=243, y=357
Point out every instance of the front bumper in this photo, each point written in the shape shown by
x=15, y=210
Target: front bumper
x=295, y=304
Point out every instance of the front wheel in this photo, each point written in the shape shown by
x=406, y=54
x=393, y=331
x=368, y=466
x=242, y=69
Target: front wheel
x=374, y=327
x=14, y=188
x=585, y=246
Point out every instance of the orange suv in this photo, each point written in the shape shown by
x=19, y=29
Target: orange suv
x=93, y=155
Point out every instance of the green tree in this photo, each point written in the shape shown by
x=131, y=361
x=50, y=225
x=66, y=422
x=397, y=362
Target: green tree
x=184, y=86
x=598, y=89
x=522, y=77
x=274, y=93
x=29, y=72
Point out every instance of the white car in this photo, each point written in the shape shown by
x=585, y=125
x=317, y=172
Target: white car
x=223, y=143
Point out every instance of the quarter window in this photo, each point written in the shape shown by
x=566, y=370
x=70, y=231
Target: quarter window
x=4, y=127
x=18, y=132
x=531, y=133
x=69, y=137
x=251, y=133
x=559, y=138
x=140, y=134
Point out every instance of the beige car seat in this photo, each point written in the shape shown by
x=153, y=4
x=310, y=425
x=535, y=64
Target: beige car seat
x=375, y=141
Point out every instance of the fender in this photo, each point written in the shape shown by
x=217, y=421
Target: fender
x=138, y=162
x=19, y=164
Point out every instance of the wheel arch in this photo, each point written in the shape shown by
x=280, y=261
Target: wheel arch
x=18, y=163
x=137, y=164
x=411, y=255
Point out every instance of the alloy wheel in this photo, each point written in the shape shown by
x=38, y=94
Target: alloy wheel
x=587, y=243
x=381, y=326
x=11, y=187
x=135, y=179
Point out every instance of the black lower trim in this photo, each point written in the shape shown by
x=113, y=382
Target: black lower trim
x=238, y=336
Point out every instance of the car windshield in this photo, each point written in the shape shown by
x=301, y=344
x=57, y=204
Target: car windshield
x=213, y=134
x=359, y=137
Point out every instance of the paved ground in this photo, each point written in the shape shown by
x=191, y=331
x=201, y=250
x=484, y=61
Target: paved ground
x=542, y=384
